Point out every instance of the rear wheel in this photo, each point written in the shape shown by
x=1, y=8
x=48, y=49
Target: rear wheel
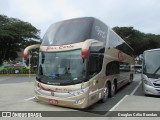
x=106, y=93
x=113, y=89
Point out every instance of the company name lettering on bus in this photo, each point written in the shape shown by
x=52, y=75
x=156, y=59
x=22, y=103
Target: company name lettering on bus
x=100, y=32
x=65, y=46
x=50, y=48
x=59, y=48
x=63, y=89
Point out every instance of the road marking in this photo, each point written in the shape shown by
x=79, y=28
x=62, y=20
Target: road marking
x=28, y=99
x=118, y=103
x=136, y=88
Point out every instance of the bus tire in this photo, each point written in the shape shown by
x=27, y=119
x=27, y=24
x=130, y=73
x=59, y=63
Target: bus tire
x=147, y=95
x=106, y=93
x=113, y=89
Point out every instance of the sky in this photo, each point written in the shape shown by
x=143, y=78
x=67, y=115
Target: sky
x=143, y=15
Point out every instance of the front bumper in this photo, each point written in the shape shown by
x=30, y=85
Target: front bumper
x=150, y=90
x=80, y=101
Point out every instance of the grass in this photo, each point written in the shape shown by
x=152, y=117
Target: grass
x=1, y=68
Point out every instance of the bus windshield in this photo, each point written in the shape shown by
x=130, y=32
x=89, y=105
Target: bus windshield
x=152, y=64
x=61, y=67
x=68, y=32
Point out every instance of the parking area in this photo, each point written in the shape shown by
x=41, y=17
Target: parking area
x=17, y=95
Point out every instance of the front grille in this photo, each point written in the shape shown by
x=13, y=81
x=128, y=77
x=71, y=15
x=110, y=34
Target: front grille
x=156, y=85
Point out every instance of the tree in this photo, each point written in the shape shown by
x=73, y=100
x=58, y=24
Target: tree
x=14, y=36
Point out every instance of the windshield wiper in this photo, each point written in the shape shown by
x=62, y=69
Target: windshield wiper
x=40, y=70
x=156, y=70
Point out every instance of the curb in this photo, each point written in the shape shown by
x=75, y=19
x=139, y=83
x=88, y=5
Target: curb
x=17, y=74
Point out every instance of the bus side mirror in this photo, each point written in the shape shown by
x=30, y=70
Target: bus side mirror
x=144, y=68
x=27, y=49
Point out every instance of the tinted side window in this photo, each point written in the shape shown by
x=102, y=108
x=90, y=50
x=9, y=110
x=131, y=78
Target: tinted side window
x=125, y=67
x=99, y=31
x=95, y=64
x=116, y=42
x=112, y=68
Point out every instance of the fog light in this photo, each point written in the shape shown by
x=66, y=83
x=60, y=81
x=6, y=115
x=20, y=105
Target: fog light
x=79, y=101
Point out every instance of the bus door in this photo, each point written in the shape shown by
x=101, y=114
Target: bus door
x=94, y=68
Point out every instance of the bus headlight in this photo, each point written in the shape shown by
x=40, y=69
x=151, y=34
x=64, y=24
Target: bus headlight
x=147, y=82
x=79, y=92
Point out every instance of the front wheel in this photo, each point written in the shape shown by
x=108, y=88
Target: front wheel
x=106, y=93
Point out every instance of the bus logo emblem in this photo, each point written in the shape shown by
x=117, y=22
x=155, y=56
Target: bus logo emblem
x=52, y=93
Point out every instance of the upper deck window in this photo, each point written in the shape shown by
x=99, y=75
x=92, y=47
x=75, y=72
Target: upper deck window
x=68, y=32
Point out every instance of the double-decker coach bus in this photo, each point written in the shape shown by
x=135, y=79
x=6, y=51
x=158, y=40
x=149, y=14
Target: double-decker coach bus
x=80, y=63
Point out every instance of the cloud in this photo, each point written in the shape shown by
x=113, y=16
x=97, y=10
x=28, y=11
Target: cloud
x=141, y=14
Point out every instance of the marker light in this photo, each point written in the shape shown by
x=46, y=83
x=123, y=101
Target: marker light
x=84, y=54
x=25, y=56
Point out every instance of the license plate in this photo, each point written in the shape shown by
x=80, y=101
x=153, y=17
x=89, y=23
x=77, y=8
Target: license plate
x=51, y=101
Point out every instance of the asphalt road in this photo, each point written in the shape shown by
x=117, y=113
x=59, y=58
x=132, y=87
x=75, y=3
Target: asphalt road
x=17, y=94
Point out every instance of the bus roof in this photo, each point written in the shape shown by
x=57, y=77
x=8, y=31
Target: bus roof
x=78, y=30
x=74, y=31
